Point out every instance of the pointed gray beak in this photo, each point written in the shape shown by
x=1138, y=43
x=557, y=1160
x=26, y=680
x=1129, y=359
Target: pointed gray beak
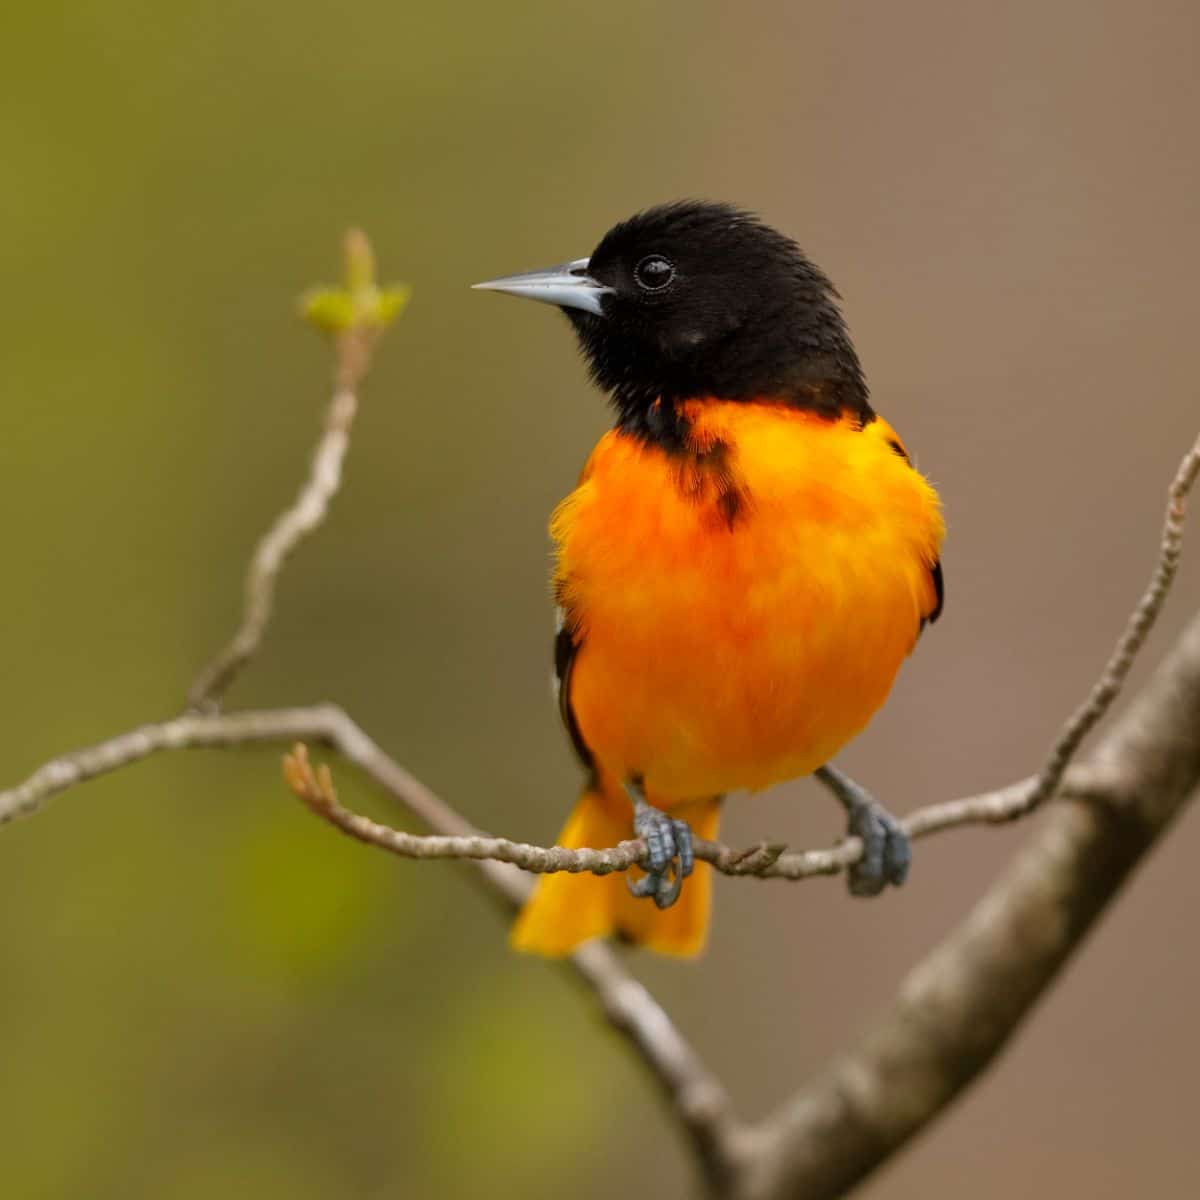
x=568, y=286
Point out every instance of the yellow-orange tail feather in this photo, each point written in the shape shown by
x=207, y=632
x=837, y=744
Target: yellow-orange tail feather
x=566, y=910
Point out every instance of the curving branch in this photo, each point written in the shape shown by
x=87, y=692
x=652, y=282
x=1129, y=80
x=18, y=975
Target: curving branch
x=355, y=315
x=1137, y=629
x=765, y=860
x=954, y=1012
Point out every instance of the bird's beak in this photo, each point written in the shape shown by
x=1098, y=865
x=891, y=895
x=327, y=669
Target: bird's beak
x=568, y=286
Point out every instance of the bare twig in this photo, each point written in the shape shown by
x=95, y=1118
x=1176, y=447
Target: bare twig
x=1116, y=670
x=457, y=838
x=697, y=1099
x=355, y=330
x=762, y=861
x=289, y=529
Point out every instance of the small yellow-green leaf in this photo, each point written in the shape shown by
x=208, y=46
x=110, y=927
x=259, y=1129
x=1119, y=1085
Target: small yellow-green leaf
x=329, y=309
x=359, y=304
x=389, y=304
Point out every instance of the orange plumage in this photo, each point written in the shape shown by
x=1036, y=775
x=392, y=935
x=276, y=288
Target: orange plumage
x=741, y=610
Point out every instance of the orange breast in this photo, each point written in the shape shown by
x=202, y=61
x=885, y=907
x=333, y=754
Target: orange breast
x=742, y=611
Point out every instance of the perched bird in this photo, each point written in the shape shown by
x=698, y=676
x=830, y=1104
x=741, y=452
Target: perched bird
x=748, y=558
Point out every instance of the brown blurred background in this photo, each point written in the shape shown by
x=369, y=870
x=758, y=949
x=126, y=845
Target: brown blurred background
x=204, y=991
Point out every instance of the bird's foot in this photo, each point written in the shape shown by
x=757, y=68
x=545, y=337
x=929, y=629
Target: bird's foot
x=669, y=855
x=887, y=852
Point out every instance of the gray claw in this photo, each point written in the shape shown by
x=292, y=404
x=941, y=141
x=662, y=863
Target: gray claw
x=646, y=886
x=887, y=853
x=683, y=843
x=669, y=854
x=669, y=886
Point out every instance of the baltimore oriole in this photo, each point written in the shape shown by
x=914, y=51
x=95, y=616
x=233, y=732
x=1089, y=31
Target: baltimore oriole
x=747, y=560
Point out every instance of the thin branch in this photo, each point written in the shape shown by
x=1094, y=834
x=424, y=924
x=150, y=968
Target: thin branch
x=696, y=1097
x=457, y=838
x=288, y=531
x=1137, y=629
x=314, y=786
x=190, y=731
x=354, y=338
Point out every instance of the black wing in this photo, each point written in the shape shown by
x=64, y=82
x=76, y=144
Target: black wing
x=939, y=584
x=566, y=647
x=939, y=588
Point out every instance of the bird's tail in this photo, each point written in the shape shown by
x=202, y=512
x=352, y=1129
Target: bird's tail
x=567, y=909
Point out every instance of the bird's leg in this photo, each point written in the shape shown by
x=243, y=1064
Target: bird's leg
x=669, y=857
x=886, y=849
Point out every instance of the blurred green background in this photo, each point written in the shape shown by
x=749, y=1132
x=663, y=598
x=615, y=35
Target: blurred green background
x=206, y=992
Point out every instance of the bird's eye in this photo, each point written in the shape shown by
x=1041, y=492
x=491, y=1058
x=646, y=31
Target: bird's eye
x=654, y=273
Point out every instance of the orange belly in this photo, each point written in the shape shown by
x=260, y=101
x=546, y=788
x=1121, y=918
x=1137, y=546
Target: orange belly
x=729, y=644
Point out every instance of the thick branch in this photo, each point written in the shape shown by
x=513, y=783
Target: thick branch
x=958, y=1008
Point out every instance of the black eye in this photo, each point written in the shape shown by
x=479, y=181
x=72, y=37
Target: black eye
x=654, y=273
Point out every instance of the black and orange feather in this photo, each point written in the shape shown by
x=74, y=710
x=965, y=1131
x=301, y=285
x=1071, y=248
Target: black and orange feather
x=747, y=560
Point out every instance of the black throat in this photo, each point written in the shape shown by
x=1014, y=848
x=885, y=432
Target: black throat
x=647, y=393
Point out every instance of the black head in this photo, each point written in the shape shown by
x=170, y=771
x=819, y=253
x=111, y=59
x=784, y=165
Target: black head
x=698, y=299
